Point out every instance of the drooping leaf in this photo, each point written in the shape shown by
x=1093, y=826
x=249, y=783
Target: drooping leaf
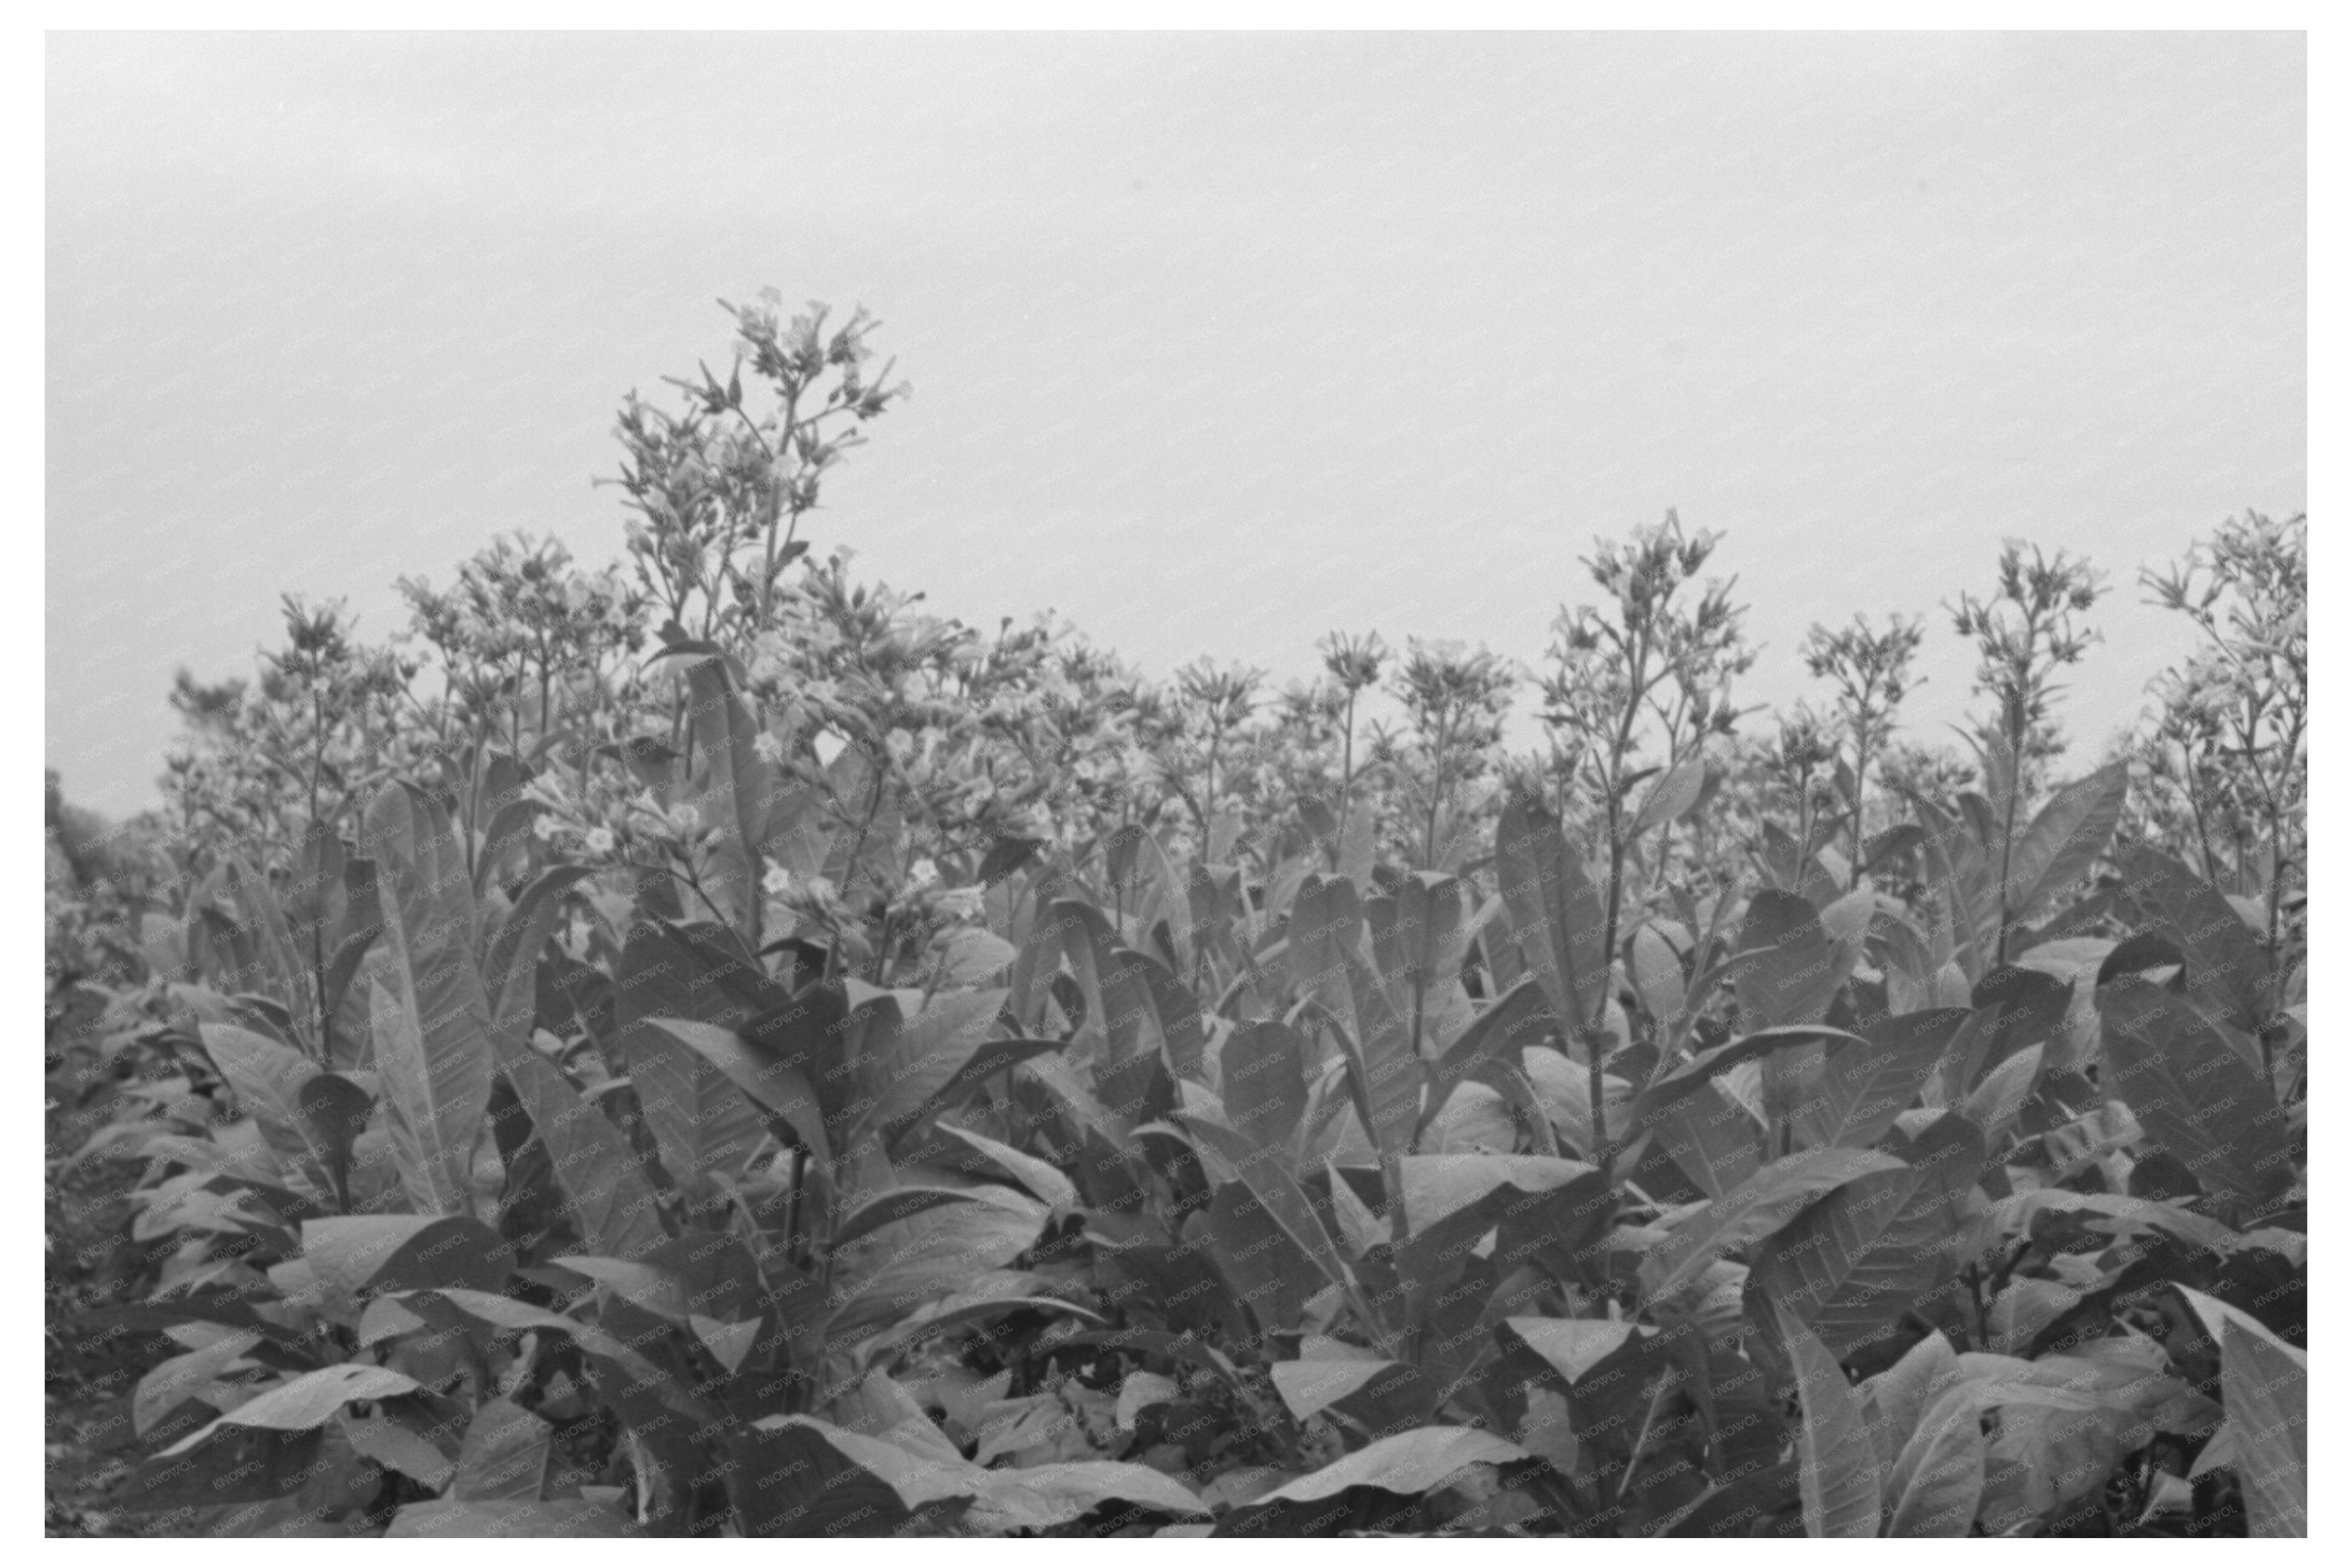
x=1439, y=1186
x=1408, y=1463
x=1760, y=1205
x=1046, y=1184
x=306, y=1401
x=890, y=1208
x=1572, y=1346
x=1837, y=1472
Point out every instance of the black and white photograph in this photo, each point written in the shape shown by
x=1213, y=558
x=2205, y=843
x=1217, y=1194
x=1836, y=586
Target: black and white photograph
x=1283, y=777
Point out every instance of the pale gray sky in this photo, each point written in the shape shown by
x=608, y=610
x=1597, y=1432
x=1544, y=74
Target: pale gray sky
x=1219, y=342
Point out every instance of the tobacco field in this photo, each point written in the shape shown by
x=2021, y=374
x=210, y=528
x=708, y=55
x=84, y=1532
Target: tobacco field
x=703, y=1046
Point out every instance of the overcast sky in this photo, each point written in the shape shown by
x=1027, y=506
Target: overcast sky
x=1219, y=342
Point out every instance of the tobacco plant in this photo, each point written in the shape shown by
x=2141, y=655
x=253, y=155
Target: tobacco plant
x=818, y=1070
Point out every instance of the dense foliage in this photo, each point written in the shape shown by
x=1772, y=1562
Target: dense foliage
x=703, y=1046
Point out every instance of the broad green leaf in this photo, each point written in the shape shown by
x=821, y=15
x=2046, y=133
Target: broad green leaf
x=1802, y=1267
x=395, y=1447
x=269, y=1079
x=890, y=1208
x=1519, y=1018
x=1786, y=971
x=1865, y=1083
x=1937, y=1479
x=1837, y=1473
x=2193, y=1093
x=1652, y=1103
x=1996, y=1101
x=610, y=1199
x=1041, y=1497
x=1419, y=934
x=504, y=1457
x=2227, y=970
x=1409, y=1463
x=175, y=1380
x=929, y=1062
x=432, y=1026
x=307, y=1401
x=1310, y=1388
x=363, y=1253
x=1048, y=1185
x=1262, y=1081
x=1894, y=1402
x=1915, y=1252
x=563, y=1518
x=2069, y=833
x=335, y=1111
x=737, y=786
x=1552, y=912
x=509, y=977
x=929, y=1255
x=2265, y=1392
x=259, y=913
x=1439, y=1186
x=1658, y=975
x=1673, y=796
x=1573, y=1346
x=2265, y=1388
x=1760, y=1205
x=773, y=1081
x=1386, y=1075
x=1267, y=1176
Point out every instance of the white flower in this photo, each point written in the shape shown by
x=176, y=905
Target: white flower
x=686, y=819
x=778, y=881
x=961, y=903
x=600, y=840
x=901, y=745
x=923, y=873
x=767, y=747
x=545, y=827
